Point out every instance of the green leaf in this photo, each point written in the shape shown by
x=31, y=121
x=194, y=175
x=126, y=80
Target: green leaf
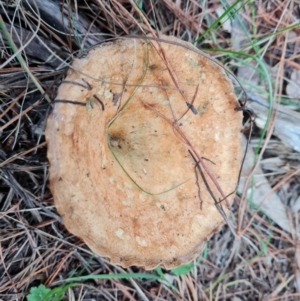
x=183, y=269
x=159, y=272
x=38, y=293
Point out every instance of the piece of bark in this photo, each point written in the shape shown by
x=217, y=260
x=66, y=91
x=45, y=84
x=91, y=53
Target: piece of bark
x=64, y=26
x=35, y=49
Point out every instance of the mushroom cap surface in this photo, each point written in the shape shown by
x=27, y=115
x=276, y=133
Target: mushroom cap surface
x=121, y=170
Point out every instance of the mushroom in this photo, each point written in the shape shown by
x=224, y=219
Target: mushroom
x=143, y=140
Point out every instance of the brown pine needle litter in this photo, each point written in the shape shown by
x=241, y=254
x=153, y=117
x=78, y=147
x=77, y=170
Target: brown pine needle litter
x=255, y=256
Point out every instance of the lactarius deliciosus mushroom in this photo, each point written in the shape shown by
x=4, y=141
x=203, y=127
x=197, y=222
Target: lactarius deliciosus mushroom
x=143, y=140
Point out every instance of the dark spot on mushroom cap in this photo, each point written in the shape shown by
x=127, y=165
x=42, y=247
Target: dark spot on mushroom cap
x=152, y=67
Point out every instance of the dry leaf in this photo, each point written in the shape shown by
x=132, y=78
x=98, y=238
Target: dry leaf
x=287, y=123
x=226, y=22
x=270, y=203
x=296, y=205
x=292, y=89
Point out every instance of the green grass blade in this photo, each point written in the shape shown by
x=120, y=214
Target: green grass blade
x=219, y=19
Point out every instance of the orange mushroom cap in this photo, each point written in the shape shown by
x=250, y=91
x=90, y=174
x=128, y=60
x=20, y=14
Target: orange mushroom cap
x=123, y=166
